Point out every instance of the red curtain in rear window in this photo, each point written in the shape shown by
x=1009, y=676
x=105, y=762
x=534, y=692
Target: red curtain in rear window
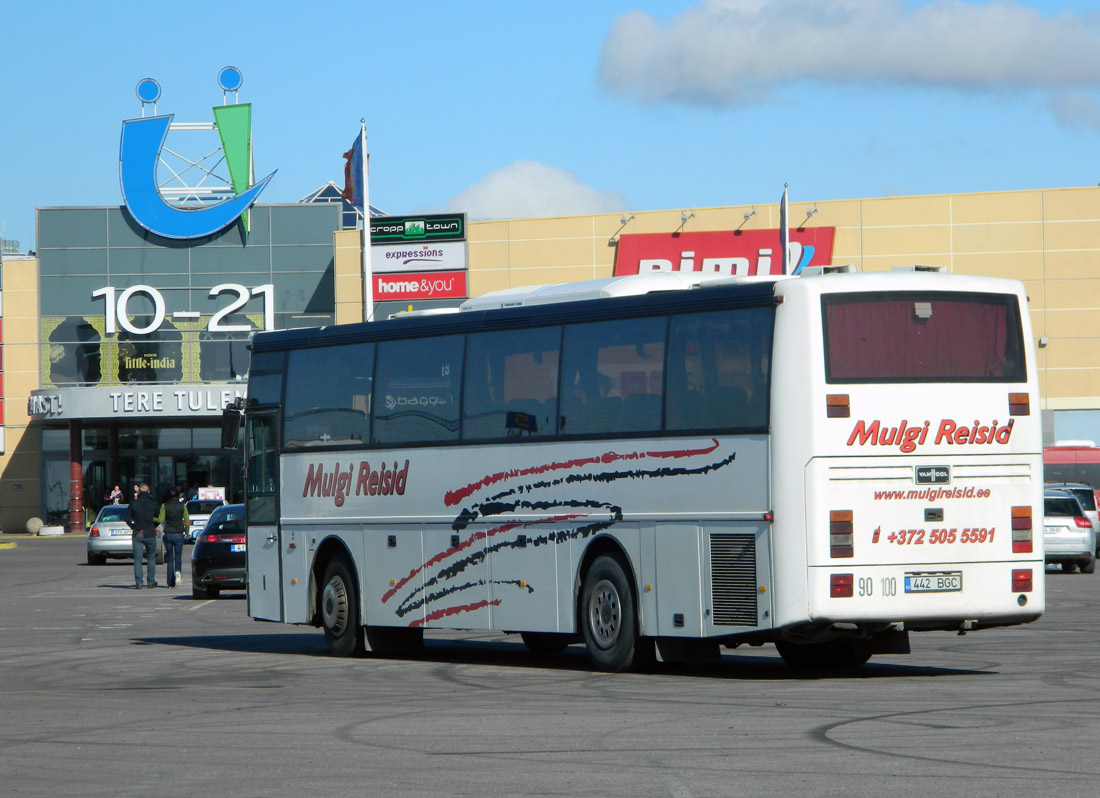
x=893, y=338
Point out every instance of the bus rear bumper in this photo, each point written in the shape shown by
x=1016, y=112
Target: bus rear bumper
x=959, y=596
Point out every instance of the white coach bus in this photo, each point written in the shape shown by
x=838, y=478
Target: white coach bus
x=655, y=466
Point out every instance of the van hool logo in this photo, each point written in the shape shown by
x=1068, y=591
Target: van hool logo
x=337, y=484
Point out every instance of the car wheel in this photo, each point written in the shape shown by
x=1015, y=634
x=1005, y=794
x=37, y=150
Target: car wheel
x=1067, y=567
x=340, y=609
x=199, y=592
x=97, y=559
x=1087, y=566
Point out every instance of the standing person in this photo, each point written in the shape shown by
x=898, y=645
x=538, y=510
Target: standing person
x=143, y=511
x=173, y=514
x=116, y=495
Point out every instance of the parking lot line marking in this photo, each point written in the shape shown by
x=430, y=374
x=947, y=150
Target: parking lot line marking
x=198, y=606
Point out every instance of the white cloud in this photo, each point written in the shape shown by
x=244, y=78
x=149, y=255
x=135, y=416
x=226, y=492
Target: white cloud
x=528, y=189
x=726, y=52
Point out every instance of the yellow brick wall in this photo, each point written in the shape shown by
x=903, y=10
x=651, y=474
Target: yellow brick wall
x=1049, y=240
x=348, y=267
x=20, y=488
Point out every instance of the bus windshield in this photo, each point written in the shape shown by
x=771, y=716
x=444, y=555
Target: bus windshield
x=917, y=337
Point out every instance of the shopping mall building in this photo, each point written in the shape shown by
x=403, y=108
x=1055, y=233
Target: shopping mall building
x=119, y=346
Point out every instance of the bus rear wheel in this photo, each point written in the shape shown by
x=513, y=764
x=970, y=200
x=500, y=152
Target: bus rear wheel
x=829, y=655
x=609, y=620
x=340, y=609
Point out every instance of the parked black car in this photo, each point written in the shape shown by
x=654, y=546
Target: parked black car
x=218, y=561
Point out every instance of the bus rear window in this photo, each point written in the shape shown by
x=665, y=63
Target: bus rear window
x=913, y=337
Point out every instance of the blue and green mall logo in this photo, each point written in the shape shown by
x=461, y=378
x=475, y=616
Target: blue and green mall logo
x=140, y=156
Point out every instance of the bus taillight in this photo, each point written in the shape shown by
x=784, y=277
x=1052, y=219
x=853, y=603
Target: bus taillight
x=837, y=406
x=841, y=585
x=1021, y=580
x=1019, y=404
x=1021, y=530
x=841, y=539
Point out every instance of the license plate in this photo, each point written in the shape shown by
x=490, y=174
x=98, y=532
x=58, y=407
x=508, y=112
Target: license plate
x=950, y=582
x=237, y=546
x=121, y=532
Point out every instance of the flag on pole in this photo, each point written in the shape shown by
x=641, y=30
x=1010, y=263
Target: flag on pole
x=784, y=232
x=357, y=192
x=355, y=173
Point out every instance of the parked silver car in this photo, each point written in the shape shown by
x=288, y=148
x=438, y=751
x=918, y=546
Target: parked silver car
x=110, y=536
x=1067, y=533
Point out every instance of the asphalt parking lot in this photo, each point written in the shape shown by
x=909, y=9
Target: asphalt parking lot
x=108, y=691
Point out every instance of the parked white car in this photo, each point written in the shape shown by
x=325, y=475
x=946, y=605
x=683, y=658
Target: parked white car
x=198, y=511
x=1067, y=532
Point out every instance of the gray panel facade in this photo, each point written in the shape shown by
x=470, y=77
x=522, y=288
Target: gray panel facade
x=121, y=306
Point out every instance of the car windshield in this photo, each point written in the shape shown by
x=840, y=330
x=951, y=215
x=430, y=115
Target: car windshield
x=202, y=507
x=114, y=512
x=1062, y=508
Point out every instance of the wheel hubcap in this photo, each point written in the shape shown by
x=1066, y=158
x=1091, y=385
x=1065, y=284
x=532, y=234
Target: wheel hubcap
x=604, y=614
x=334, y=606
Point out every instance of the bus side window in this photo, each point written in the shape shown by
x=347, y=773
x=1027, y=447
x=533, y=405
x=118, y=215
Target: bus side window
x=718, y=369
x=328, y=396
x=613, y=376
x=511, y=384
x=416, y=390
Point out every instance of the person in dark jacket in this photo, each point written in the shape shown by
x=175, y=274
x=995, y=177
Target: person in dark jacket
x=143, y=512
x=173, y=514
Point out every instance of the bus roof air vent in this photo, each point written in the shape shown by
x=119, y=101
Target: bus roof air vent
x=827, y=269
x=919, y=267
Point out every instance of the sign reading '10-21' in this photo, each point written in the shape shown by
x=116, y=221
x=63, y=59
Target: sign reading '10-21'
x=117, y=313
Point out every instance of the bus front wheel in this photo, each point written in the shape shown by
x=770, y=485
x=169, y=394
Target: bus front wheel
x=609, y=624
x=340, y=609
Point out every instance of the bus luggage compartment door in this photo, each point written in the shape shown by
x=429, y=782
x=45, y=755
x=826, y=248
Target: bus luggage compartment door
x=264, y=596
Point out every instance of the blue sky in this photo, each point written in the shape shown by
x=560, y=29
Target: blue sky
x=511, y=109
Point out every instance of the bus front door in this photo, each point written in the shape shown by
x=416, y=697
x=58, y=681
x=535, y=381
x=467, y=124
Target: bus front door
x=262, y=513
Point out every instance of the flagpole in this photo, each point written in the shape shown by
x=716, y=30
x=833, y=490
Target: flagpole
x=784, y=232
x=368, y=274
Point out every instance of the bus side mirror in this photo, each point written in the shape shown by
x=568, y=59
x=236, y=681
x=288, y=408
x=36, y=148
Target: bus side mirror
x=231, y=423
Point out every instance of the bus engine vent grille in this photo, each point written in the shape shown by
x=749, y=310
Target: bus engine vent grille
x=733, y=579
